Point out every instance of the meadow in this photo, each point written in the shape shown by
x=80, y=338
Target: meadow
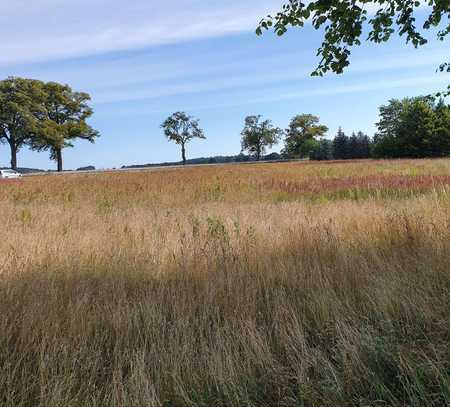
x=284, y=284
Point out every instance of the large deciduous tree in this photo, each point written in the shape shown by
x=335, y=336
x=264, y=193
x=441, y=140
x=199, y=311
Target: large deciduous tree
x=345, y=23
x=258, y=135
x=413, y=127
x=181, y=129
x=302, y=135
x=20, y=112
x=65, y=118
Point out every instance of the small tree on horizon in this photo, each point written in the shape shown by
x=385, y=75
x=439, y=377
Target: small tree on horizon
x=258, y=135
x=181, y=129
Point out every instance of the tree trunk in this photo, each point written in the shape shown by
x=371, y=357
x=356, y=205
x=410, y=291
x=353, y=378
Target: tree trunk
x=59, y=159
x=13, y=156
x=183, y=154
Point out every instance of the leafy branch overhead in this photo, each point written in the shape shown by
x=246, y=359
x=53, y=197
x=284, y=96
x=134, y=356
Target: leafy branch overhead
x=344, y=23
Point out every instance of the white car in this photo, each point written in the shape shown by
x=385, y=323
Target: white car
x=9, y=174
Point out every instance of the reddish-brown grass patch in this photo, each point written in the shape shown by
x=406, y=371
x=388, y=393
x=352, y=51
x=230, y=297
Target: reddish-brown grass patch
x=323, y=185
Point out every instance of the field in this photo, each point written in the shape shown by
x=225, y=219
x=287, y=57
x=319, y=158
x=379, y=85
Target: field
x=288, y=284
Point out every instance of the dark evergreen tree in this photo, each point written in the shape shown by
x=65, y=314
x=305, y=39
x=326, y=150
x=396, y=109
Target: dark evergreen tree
x=341, y=145
x=353, y=147
x=363, y=145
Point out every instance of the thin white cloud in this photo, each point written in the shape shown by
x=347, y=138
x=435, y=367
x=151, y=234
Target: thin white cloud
x=429, y=82
x=410, y=58
x=211, y=77
x=218, y=83
x=52, y=29
x=56, y=29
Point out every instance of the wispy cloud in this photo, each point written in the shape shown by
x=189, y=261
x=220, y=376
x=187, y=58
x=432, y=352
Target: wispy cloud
x=54, y=29
x=366, y=86
x=274, y=95
x=215, y=75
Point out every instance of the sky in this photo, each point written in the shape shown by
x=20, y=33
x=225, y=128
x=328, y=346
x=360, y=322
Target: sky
x=142, y=60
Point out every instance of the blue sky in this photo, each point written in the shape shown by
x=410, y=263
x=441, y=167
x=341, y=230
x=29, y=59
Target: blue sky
x=143, y=60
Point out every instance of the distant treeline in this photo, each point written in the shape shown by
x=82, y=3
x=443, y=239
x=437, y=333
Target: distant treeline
x=219, y=159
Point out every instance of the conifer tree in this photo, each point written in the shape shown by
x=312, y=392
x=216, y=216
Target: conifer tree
x=341, y=145
x=363, y=145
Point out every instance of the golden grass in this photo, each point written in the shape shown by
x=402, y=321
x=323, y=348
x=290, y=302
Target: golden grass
x=228, y=286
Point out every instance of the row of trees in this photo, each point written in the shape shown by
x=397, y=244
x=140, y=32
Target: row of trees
x=304, y=138
x=256, y=137
x=43, y=116
x=412, y=127
x=50, y=116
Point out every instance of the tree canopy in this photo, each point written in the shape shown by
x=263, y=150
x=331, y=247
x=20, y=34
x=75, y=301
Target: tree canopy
x=64, y=121
x=413, y=127
x=44, y=116
x=341, y=145
x=181, y=129
x=345, y=23
x=302, y=135
x=258, y=135
x=20, y=109
x=323, y=150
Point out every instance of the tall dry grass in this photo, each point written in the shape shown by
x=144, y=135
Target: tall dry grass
x=228, y=286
